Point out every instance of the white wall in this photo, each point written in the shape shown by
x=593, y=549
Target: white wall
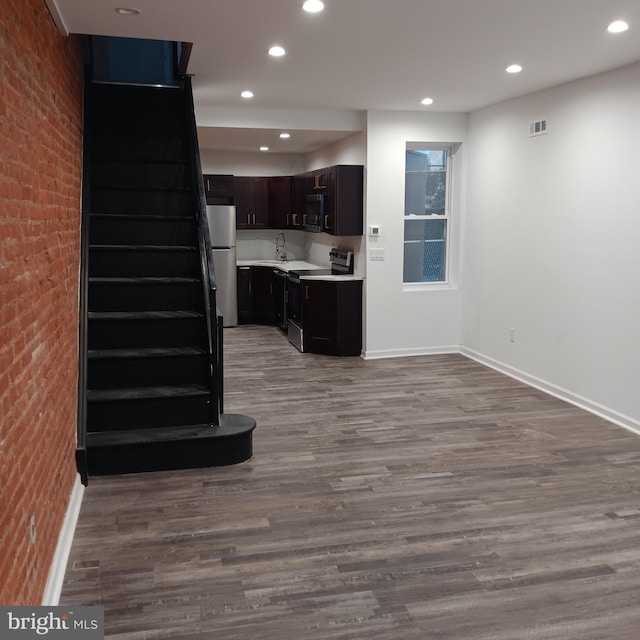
x=552, y=241
x=425, y=319
x=251, y=164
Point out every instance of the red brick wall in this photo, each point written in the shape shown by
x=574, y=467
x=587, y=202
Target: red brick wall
x=40, y=172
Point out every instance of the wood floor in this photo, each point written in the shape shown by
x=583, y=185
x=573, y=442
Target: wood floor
x=403, y=499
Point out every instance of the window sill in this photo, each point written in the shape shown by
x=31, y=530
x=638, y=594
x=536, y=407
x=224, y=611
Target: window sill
x=428, y=286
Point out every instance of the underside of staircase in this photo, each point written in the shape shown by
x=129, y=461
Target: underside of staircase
x=151, y=342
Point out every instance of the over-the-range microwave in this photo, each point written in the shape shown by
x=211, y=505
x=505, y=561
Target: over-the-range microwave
x=314, y=212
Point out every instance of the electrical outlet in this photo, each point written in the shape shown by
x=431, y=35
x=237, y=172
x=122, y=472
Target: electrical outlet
x=512, y=335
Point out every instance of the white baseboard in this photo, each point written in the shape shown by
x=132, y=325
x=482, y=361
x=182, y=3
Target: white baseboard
x=403, y=353
x=53, y=589
x=558, y=392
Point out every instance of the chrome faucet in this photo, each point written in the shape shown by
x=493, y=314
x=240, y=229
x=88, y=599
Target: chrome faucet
x=281, y=247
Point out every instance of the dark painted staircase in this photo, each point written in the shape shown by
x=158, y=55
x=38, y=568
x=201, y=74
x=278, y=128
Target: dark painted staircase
x=151, y=342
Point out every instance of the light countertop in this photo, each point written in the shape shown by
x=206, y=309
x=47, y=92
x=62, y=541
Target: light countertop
x=294, y=265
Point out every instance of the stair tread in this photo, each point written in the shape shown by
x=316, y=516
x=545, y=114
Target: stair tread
x=142, y=247
x=145, y=352
x=144, y=217
x=171, y=434
x=144, y=280
x=136, y=160
x=129, y=187
x=142, y=315
x=144, y=393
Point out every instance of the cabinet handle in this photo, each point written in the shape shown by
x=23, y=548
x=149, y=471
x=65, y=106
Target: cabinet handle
x=288, y=219
x=304, y=218
x=306, y=291
x=208, y=185
x=295, y=219
x=271, y=288
x=248, y=218
x=249, y=286
x=326, y=222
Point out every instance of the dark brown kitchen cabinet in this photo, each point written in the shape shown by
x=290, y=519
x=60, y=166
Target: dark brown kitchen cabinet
x=332, y=317
x=251, y=197
x=260, y=296
x=343, y=201
x=301, y=186
x=280, y=202
x=262, y=285
x=218, y=189
x=245, y=295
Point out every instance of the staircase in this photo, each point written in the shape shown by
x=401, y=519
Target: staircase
x=151, y=352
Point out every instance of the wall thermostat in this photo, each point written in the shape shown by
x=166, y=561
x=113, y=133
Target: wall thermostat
x=374, y=230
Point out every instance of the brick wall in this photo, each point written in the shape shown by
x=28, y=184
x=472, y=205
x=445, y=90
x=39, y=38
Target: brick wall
x=40, y=170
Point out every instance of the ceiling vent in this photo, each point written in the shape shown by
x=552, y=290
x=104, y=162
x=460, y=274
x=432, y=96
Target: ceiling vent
x=537, y=128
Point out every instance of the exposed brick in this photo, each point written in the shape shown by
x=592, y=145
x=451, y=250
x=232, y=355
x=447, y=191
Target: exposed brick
x=40, y=155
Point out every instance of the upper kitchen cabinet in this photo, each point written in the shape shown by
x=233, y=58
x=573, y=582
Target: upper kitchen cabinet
x=300, y=189
x=280, y=202
x=218, y=189
x=343, y=202
x=251, y=196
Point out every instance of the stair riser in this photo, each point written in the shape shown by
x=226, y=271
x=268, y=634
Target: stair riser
x=157, y=297
x=139, y=147
x=136, y=174
x=136, y=232
x=129, y=334
x=163, y=456
x=141, y=202
x=114, y=263
x=148, y=413
x=128, y=98
x=152, y=122
x=114, y=373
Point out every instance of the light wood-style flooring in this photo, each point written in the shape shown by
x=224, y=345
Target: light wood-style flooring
x=414, y=498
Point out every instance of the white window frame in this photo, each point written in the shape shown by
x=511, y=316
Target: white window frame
x=446, y=282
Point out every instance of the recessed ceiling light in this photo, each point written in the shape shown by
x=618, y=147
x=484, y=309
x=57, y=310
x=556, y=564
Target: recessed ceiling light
x=427, y=101
x=514, y=68
x=128, y=11
x=284, y=136
x=618, y=26
x=276, y=51
x=264, y=148
x=313, y=6
x=246, y=94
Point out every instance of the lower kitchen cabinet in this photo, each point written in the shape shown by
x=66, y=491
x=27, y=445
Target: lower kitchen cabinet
x=332, y=317
x=260, y=296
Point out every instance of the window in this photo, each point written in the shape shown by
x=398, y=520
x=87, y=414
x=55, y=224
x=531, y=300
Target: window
x=426, y=214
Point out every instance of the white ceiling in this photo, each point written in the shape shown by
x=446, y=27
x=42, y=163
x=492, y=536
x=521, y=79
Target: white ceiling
x=361, y=55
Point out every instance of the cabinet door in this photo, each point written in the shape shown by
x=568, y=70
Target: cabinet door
x=245, y=296
x=260, y=202
x=242, y=199
x=300, y=183
x=280, y=202
x=263, y=295
x=218, y=189
x=343, y=204
x=319, y=316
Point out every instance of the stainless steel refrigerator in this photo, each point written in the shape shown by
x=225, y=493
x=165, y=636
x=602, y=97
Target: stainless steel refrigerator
x=222, y=230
